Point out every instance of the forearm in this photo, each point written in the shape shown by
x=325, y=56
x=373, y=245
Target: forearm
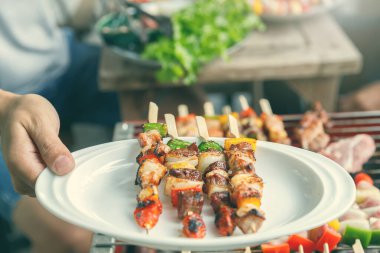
x=6, y=99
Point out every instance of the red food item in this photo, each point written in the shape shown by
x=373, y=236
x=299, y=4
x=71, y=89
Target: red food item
x=174, y=193
x=186, y=118
x=363, y=177
x=224, y=220
x=327, y=235
x=148, y=212
x=351, y=153
x=279, y=248
x=193, y=226
x=247, y=113
x=295, y=241
x=146, y=157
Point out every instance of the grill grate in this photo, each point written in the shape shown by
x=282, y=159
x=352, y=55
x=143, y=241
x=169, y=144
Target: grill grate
x=348, y=124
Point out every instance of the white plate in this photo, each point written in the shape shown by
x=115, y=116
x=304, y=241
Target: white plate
x=302, y=190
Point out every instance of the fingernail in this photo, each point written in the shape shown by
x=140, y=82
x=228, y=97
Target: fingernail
x=63, y=165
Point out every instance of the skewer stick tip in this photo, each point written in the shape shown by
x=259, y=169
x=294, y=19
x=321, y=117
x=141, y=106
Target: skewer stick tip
x=357, y=247
x=243, y=102
x=265, y=106
x=202, y=127
x=208, y=108
x=153, y=113
x=326, y=248
x=247, y=249
x=170, y=123
x=147, y=231
x=233, y=124
x=300, y=249
x=183, y=110
x=226, y=109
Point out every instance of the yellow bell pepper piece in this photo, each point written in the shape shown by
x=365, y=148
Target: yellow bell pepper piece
x=182, y=165
x=246, y=201
x=234, y=141
x=334, y=224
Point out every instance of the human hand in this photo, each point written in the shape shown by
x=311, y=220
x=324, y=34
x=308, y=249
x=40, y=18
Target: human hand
x=29, y=127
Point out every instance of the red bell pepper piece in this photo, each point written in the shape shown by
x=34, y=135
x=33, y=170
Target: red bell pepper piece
x=363, y=177
x=295, y=241
x=329, y=236
x=279, y=248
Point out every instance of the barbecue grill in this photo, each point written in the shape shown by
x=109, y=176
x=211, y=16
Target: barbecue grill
x=342, y=125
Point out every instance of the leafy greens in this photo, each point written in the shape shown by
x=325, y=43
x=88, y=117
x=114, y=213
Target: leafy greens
x=201, y=32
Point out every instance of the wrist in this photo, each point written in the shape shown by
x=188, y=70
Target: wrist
x=6, y=99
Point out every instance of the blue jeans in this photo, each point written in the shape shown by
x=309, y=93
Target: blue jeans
x=76, y=98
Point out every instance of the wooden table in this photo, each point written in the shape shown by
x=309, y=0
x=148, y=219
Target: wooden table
x=311, y=56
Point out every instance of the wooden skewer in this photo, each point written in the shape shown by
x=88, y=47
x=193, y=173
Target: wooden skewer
x=243, y=102
x=247, y=249
x=153, y=113
x=300, y=249
x=202, y=127
x=357, y=247
x=233, y=124
x=226, y=109
x=185, y=251
x=326, y=248
x=183, y=110
x=265, y=107
x=170, y=123
x=208, y=108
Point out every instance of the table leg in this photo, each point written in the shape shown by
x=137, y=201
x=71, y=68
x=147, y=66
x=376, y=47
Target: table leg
x=324, y=90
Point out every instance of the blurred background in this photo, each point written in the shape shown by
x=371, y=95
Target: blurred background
x=292, y=53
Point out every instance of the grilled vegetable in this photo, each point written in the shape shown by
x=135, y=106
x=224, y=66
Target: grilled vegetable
x=193, y=226
x=161, y=128
x=177, y=144
x=209, y=146
x=148, y=212
x=234, y=141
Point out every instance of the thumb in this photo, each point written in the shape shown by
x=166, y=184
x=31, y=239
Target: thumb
x=53, y=152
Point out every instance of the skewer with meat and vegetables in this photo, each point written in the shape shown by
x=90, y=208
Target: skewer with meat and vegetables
x=213, y=166
x=311, y=133
x=252, y=125
x=273, y=124
x=184, y=182
x=185, y=122
x=214, y=125
x=151, y=170
x=247, y=186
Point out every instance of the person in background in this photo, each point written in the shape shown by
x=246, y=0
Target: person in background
x=38, y=56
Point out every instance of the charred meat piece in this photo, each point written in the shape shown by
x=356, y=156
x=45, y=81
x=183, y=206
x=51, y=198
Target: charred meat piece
x=149, y=139
x=250, y=221
x=219, y=199
x=189, y=174
x=189, y=201
x=182, y=155
x=150, y=172
x=220, y=165
x=225, y=220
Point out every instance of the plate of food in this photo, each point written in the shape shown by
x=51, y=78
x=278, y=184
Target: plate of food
x=280, y=11
x=223, y=193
